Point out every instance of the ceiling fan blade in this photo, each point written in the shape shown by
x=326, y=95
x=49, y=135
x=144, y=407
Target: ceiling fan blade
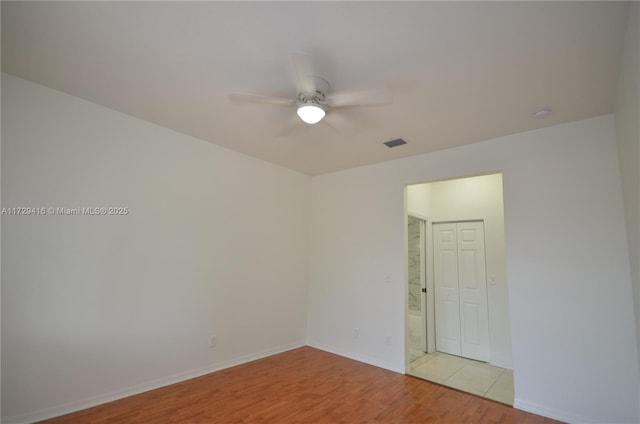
x=288, y=128
x=341, y=124
x=258, y=98
x=305, y=73
x=373, y=97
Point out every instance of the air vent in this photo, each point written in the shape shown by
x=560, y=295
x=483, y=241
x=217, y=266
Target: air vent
x=395, y=143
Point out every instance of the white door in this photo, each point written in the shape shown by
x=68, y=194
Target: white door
x=462, y=319
x=472, y=280
x=447, y=297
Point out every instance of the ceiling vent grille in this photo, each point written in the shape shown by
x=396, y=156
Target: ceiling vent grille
x=395, y=143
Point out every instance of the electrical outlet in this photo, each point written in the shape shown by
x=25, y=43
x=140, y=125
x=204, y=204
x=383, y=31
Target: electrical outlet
x=214, y=342
x=388, y=340
x=356, y=334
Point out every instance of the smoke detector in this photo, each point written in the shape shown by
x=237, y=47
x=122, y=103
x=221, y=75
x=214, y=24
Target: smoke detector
x=542, y=113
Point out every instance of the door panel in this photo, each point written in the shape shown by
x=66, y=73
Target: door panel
x=447, y=298
x=473, y=291
x=467, y=277
x=462, y=319
x=471, y=333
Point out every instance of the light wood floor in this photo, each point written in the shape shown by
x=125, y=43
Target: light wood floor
x=304, y=385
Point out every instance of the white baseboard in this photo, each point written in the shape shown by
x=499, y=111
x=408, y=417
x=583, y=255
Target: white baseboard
x=75, y=406
x=563, y=416
x=500, y=364
x=356, y=357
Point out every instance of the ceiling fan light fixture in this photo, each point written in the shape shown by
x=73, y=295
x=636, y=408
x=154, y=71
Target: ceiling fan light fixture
x=311, y=113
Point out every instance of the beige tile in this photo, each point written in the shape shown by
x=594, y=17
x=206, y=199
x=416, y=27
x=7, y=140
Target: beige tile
x=439, y=367
x=482, y=371
x=414, y=354
x=475, y=377
x=425, y=357
x=466, y=375
x=502, y=390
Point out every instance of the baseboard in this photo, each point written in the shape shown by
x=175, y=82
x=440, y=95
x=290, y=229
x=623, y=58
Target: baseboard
x=563, y=416
x=356, y=357
x=90, y=402
x=506, y=365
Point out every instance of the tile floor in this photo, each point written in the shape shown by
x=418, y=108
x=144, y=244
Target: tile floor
x=467, y=375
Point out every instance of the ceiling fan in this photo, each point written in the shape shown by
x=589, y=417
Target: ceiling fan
x=314, y=100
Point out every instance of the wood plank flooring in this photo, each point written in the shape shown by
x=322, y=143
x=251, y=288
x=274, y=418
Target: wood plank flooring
x=304, y=385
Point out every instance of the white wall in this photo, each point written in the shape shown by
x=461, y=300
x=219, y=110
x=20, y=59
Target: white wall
x=571, y=311
x=469, y=199
x=97, y=307
x=627, y=114
x=94, y=308
x=418, y=196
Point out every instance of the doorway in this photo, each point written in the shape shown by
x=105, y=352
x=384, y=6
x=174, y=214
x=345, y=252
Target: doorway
x=468, y=344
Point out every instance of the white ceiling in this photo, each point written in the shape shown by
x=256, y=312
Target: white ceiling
x=459, y=72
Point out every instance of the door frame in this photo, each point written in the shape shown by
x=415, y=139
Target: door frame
x=428, y=302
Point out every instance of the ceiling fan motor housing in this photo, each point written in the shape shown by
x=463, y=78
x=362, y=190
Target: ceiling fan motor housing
x=317, y=90
x=311, y=99
x=311, y=104
x=311, y=107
